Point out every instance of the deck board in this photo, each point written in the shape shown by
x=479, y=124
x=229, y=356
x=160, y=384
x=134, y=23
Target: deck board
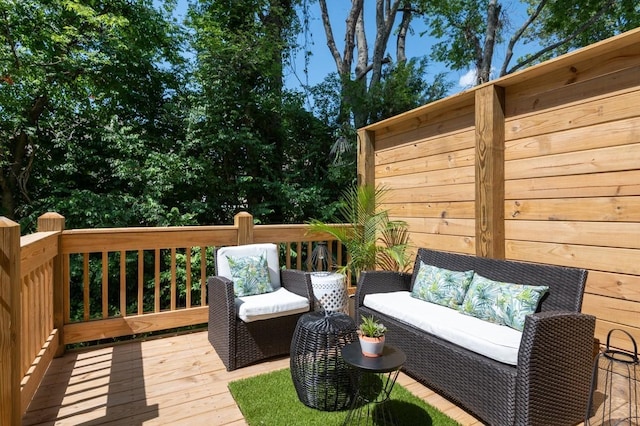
x=176, y=380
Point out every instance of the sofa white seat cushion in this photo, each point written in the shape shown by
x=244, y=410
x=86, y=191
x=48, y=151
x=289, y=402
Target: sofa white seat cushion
x=278, y=303
x=495, y=341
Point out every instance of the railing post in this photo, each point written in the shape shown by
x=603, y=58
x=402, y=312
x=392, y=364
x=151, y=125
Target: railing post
x=243, y=221
x=55, y=222
x=10, y=323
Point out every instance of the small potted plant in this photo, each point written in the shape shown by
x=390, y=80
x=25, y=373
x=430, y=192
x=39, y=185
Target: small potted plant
x=371, y=335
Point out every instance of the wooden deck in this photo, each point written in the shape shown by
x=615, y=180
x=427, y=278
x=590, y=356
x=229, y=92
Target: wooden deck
x=177, y=380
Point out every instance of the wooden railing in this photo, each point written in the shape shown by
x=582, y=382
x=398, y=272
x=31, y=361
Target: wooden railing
x=173, y=293
x=62, y=287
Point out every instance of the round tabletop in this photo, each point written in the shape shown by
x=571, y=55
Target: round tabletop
x=392, y=358
x=326, y=322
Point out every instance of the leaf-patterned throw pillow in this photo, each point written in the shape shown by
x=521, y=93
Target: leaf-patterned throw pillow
x=250, y=275
x=502, y=303
x=441, y=286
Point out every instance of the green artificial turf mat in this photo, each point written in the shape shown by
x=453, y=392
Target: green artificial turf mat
x=270, y=400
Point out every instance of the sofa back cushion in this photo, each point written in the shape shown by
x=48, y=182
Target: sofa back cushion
x=566, y=285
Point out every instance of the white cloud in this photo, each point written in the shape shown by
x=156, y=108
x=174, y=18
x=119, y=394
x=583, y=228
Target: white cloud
x=468, y=80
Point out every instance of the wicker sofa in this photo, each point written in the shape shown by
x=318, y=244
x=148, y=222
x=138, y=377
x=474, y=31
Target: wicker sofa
x=550, y=383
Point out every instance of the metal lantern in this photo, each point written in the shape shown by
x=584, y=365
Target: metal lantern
x=321, y=259
x=614, y=387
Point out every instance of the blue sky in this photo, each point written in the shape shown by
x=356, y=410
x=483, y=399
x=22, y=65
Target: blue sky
x=322, y=63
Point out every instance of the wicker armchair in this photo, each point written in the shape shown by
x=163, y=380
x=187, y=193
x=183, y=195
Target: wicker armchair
x=241, y=342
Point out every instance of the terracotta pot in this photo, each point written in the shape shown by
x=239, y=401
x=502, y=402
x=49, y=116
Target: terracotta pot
x=371, y=346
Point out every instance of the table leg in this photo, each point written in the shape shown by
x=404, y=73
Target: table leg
x=370, y=402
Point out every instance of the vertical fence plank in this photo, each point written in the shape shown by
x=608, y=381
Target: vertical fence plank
x=156, y=281
x=187, y=259
x=366, y=156
x=10, y=323
x=173, y=279
x=85, y=288
x=203, y=275
x=105, y=284
x=140, y=282
x=66, y=293
x=123, y=283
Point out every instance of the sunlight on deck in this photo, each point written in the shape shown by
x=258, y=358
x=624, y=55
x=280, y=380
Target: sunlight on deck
x=175, y=380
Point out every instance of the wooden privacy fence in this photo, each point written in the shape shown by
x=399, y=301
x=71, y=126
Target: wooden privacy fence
x=62, y=287
x=542, y=166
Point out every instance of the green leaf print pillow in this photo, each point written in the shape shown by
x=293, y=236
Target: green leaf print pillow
x=250, y=275
x=502, y=303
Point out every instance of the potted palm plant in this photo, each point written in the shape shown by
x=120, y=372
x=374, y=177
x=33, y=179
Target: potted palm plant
x=371, y=336
x=372, y=240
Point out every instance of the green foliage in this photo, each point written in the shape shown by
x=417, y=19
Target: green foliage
x=370, y=327
x=571, y=25
x=80, y=83
x=402, y=88
x=372, y=239
x=460, y=25
x=253, y=138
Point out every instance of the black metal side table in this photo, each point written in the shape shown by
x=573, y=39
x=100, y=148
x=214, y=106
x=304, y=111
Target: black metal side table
x=375, y=378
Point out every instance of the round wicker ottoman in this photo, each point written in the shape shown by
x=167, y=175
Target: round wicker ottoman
x=319, y=374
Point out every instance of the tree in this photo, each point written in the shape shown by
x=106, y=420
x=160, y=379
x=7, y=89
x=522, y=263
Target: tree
x=469, y=30
x=372, y=87
x=73, y=75
x=256, y=147
x=561, y=26
x=354, y=81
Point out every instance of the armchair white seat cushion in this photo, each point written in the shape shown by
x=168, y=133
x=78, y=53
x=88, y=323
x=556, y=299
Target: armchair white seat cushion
x=270, y=305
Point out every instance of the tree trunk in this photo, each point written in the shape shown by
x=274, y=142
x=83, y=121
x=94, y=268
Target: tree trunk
x=518, y=35
x=16, y=174
x=355, y=38
x=407, y=14
x=493, y=21
x=385, y=17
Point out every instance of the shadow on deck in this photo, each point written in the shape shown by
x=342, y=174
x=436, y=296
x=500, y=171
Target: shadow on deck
x=175, y=380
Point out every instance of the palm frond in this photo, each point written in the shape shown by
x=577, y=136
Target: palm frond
x=372, y=240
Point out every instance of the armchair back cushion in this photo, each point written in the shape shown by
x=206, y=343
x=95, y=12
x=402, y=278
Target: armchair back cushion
x=250, y=250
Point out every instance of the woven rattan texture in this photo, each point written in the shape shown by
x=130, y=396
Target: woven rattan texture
x=550, y=384
x=240, y=344
x=320, y=375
